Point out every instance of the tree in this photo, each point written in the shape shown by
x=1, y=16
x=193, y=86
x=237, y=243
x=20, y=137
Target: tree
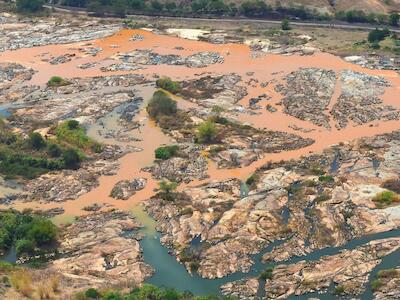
x=71, y=159
x=207, y=132
x=167, y=188
x=30, y=6
x=24, y=247
x=285, y=25
x=377, y=35
x=42, y=232
x=254, y=8
x=394, y=19
x=36, y=141
x=161, y=104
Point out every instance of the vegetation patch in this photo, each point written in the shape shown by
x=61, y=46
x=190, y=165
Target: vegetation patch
x=166, y=152
x=207, y=132
x=385, y=198
x=167, y=84
x=146, y=291
x=267, y=274
x=29, y=234
x=57, y=81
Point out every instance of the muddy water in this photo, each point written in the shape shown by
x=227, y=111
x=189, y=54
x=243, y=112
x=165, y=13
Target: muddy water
x=237, y=60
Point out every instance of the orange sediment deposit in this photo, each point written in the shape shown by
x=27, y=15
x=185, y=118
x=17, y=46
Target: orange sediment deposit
x=238, y=60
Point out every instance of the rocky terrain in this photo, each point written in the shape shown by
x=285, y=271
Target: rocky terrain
x=348, y=271
x=23, y=33
x=318, y=202
x=97, y=250
x=308, y=94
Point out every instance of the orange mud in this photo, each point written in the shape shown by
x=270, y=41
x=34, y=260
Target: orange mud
x=237, y=60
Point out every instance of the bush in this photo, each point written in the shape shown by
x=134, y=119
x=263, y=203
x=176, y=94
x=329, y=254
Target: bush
x=326, y=178
x=285, y=25
x=376, y=284
x=166, y=152
x=386, y=198
x=377, y=35
x=25, y=247
x=266, y=274
x=207, y=132
x=72, y=124
x=167, y=189
x=161, y=104
x=36, y=141
x=339, y=290
x=167, y=84
x=71, y=159
x=92, y=293
x=57, y=81
x=54, y=150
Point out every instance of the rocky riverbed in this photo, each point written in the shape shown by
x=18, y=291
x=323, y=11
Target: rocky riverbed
x=286, y=176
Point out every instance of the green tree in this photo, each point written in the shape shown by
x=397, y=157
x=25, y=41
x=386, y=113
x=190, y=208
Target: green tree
x=71, y=159
x=285, y=25
x=30, y=6
x=25, y=247
x=161, y=104
x=36, y=141
x=207, y=132
x=167, y=84
x=378, y=35
x=167, y=189
x=394, y=19
x=42, y=231
x=54, y=150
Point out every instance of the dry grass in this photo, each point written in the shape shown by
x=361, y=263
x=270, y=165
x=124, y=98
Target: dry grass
x=22, y=282
x=55, y=283
x=43, y=291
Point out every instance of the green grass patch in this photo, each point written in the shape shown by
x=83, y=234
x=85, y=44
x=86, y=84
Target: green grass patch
x=57, y=81
x=386, y=198
x=166, y=152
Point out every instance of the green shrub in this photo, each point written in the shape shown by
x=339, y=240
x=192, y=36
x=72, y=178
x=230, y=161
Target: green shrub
x=72, y=124
x=285, y=25
x=57, y=81
x=267, y=274
x=92, y=293
x=161, y=104
x=377, y=35
x=252, y=180
x=386, y=198
x=25, y=247
x=166, y=152
x=207, y=132
x=376, y=284
x=167, y=84
x=339, y=290
x=326, y=178
x=36, y=141
x=54, y=150
x=71, y=159
x=25, y=232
